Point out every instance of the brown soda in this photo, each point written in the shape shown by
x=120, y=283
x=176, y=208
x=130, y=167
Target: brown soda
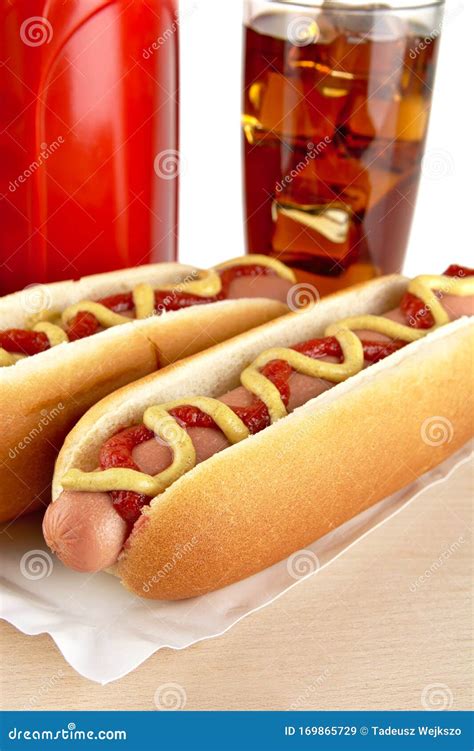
x=334, y=134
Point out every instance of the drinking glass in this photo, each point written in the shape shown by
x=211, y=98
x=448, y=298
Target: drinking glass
x=336, y=104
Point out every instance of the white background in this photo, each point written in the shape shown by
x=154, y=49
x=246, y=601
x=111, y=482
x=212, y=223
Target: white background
x=211, y=226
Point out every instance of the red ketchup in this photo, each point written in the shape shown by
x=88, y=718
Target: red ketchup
x=24, y=342
x=416, y=312
x=88, y=137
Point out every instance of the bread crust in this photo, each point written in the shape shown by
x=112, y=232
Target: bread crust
x=243, y=510
x=43, y=396
x=264, y=499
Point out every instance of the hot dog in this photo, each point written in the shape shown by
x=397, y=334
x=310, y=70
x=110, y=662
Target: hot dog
x=184, y=468
x=65, y=346
x=247, y=277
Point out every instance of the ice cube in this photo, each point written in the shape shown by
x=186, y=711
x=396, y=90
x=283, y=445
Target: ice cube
x=329, y=222
x=283, y=107
x=369, y=25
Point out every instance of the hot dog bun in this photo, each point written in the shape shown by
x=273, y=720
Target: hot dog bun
x=259, y=500
x=42, y=396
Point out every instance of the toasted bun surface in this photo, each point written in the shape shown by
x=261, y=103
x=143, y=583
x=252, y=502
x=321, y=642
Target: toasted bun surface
x=260, y=500
x=41, y=397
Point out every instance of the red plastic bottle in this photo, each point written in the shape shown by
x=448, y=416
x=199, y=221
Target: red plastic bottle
x=88, y=137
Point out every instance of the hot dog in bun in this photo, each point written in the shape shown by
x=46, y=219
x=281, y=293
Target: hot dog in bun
x=261, y=445
x=66, y=345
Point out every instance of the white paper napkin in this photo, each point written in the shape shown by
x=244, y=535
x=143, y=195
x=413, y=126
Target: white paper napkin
x=105, y=632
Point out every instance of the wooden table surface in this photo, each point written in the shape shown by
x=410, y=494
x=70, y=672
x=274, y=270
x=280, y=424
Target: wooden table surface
x=386, y=626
